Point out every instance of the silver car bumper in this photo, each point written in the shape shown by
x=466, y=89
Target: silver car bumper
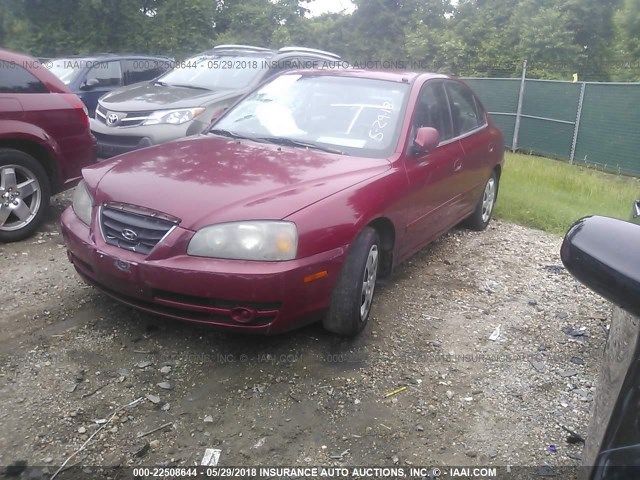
x=117, y=140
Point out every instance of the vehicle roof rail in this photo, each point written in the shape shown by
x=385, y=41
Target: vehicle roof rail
x=241, y=47
x=309, y=50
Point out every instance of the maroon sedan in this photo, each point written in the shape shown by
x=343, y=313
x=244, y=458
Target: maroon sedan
x=293, y=204
x=44, y=142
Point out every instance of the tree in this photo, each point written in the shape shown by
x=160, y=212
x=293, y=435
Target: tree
x=261, y=22
x=591, y=22
x=545, y=40
x=180, y=28
x=627, y=43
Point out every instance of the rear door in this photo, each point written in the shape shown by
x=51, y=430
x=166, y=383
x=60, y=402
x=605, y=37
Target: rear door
x=479, y=153
x=432, y=189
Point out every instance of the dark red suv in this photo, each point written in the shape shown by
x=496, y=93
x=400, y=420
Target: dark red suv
x=44, y=142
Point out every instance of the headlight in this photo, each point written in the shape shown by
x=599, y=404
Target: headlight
x=82, y=203
x=174, y=117
x=259, y=240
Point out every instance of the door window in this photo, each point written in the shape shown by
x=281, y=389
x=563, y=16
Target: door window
x=108, y=74
x=432, y=110
x=465, y=112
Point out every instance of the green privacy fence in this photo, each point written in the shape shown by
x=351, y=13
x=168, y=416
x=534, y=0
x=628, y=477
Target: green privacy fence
x=595, y=124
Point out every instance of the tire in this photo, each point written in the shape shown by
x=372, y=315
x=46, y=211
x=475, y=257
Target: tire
x=481, y=216
x=353, y=293
x=24, y=194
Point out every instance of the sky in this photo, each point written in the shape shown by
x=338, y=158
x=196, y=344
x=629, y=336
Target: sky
x=318, y=7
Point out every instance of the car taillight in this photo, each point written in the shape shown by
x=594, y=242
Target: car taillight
x=79, y=107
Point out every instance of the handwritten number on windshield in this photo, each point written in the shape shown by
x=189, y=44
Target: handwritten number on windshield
x=382, y=120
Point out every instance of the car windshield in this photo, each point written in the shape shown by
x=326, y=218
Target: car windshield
x=357, y=116
x=65, y=69
x=214, y=72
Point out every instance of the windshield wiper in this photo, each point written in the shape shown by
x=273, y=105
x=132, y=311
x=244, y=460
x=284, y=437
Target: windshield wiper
x=194, y=87
x=289, y=142
x=230, y=134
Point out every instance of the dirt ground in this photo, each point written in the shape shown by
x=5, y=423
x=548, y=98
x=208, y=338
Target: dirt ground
x=70, y=357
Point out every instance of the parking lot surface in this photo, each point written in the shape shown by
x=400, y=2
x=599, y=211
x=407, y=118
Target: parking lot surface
x=424, y=384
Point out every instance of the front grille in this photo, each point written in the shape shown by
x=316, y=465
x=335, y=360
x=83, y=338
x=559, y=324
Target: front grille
x=130, y=119
x=213, y=309
x=101, y=113
x=133, y=231
x=207, y=302
x=117, y=140
x=112, y=145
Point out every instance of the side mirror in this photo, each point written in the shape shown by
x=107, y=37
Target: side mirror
x=427, y=138
x=90, y=84
x=217, y=114
x=635, y=212
x=604, y=254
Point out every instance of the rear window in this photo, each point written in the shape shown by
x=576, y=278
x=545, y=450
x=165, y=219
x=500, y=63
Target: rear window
x=15, y=79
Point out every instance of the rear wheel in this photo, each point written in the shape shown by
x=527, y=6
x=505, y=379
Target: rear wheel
x=353, y=293
x=24, y=194
x=481, y=216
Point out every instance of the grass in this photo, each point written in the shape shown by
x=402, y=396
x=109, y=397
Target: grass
x=550, y=195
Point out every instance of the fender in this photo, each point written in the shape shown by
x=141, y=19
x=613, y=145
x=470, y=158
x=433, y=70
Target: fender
x=15, y=132
x=16, y=129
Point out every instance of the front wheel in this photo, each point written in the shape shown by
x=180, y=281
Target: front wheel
x=353, y=293
x=24, y=194
x=481, y=216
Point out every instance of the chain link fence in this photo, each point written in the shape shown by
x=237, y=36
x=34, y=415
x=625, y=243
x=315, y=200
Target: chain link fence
x=589, y=123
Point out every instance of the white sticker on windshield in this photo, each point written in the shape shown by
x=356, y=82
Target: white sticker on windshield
x=277, y=119
x=344, y=142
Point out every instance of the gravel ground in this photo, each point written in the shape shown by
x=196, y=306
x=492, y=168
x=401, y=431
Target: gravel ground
x=70, y=358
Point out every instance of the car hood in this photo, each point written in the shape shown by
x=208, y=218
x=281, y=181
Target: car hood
x=208, y=179
x=151, y=96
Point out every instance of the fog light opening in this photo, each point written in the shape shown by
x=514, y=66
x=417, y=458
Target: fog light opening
x=243, y=315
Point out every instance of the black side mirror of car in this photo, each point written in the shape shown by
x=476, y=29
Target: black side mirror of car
x=635, y=213
x=427, y=138
x=604, y=254
x=90, y=84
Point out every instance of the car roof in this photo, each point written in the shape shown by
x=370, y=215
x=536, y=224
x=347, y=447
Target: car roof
x=15, y=57
x=111, y=56
x=269, y=53
x=388, y=75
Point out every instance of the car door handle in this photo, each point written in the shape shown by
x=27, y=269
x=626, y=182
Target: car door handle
x=457, y=165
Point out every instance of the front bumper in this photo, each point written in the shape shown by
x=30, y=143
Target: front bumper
x=114, y=141
x=272, y=296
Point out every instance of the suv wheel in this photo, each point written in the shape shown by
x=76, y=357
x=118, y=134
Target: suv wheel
x=24, y=194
